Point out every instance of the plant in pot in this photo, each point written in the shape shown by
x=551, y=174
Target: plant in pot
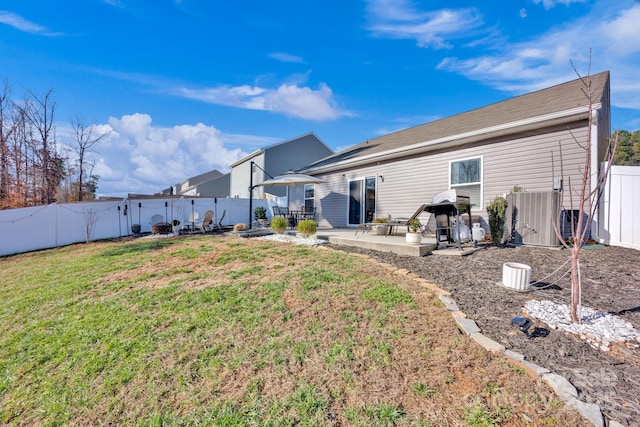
x=260, y=213
x=414, y=235
x=279, y=224
x=381, y=225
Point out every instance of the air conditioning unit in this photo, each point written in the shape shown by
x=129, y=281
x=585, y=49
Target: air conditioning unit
x=530, y=218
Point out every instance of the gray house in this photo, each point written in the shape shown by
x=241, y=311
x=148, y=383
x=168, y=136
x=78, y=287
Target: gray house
x=486, y=152
x=209, y=184
x=275, y=160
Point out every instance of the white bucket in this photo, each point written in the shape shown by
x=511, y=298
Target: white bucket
x=516, y=276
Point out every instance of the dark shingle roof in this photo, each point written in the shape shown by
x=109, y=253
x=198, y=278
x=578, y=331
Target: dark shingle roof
x=541, y=104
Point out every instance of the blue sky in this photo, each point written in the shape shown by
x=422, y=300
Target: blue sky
x=186, y=86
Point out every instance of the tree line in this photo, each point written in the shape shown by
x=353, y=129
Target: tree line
x=628, y=152
x=34, y=168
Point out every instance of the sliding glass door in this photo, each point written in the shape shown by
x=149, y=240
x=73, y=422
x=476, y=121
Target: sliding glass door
x=362, y=200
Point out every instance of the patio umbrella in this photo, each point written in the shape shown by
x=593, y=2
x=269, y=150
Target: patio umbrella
x=286, y=179
x=290, y=178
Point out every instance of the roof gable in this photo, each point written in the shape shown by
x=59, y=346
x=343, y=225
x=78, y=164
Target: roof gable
x=306, y=136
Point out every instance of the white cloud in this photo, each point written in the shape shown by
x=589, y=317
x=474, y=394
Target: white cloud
x=398, y=19
x=285, y=57
x=288, y=99
x=612, y=36
x=137, y=157
x=548, y=4
x=523, y=13
x=19, y=23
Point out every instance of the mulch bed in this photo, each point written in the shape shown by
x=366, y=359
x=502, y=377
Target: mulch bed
x=611, y=282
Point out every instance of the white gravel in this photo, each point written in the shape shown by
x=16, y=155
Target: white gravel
x=292, y=239
x=600, y=329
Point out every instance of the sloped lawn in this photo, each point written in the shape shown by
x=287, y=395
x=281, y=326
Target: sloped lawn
x=222, y=331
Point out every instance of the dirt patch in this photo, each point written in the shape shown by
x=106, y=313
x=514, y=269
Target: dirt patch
x=611, y=283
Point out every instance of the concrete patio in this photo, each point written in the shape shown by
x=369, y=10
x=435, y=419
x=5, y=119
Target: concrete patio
x=394, y=243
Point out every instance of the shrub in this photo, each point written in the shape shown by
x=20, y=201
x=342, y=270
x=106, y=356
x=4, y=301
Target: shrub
x=382, y=220
x=260, y=212
x=240, y=226
x=414, y=225
x=279, y=224
x=307, y=227
x=497, y=214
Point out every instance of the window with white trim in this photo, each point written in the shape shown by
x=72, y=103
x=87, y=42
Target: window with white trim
x=309, y=196
x=466, y=175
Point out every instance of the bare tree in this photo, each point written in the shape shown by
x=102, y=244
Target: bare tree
x=7, y=128
x=23, y=192
x=585, y=198
x=90, y=220
x=40, y=113
x=86, y=137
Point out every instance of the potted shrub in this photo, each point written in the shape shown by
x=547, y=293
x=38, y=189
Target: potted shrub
x=414, y=235
x=307, y=227
x=381, y=226
x=279, y=224
x=260, y=213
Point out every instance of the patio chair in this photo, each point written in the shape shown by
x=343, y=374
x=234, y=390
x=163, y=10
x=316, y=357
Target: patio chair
x=155, y=219
x=192, y=219
x=293, y=216
x=219, y=223
x=395, y=222
x=280, y=211
x=207, y=220
x=308, y=213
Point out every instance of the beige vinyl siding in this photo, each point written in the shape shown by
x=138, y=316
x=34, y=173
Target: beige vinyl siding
x=527, y=162
x=411, y=182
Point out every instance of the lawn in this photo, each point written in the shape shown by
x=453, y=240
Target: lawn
x=223, y=331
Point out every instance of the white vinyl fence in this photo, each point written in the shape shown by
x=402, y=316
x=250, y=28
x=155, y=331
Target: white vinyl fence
x=620, y=225
x=41, y=227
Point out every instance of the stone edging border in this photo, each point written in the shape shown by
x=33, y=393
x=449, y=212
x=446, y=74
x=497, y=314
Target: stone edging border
x=560, y=385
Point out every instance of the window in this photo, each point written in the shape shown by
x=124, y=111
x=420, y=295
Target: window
x=309, y=196
x=466, y=175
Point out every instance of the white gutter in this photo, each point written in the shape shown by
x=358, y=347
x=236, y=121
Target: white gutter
x=477, y=132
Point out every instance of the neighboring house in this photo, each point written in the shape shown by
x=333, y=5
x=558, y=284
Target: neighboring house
x=486, y=151
x=209, y=184
x=218, y=187
x=275, y=160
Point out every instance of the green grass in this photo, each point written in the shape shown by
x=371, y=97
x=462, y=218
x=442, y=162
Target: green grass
x=222, y=332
